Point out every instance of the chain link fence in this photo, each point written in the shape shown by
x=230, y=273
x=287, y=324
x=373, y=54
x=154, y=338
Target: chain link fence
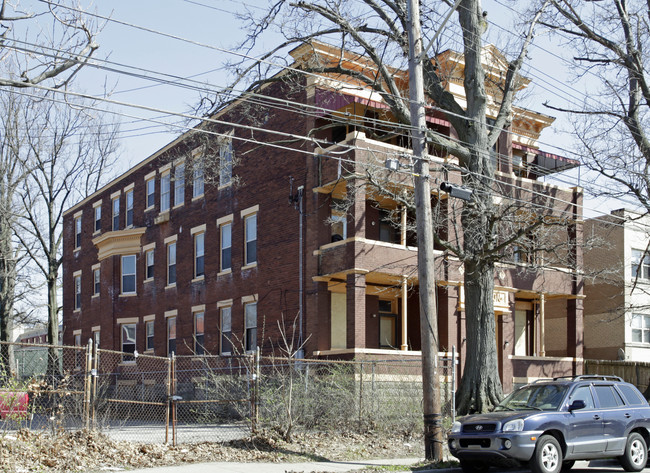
x=183, y=399
x=347, y=395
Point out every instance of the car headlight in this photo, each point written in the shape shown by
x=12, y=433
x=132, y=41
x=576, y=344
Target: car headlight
x=455, y=427
x=516, y=425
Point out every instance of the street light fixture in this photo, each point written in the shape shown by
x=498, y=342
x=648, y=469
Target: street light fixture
x=459, y=192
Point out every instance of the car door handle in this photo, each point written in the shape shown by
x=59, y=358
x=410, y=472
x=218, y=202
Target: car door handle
x=596, y=417
x=628, y=415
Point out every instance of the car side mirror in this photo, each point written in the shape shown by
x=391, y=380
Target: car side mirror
x=577, y=404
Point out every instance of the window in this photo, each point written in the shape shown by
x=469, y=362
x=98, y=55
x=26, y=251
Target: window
x=582, y=393
x=641, y=328
x=250, y=231
x=250, y=338
x=171, y=263
x=607, y=396
x=631, y=395
x=98, y=218
x=96, y=338
x=640, y=265
x=387, y=325
x=225, y=162
x=199, y=251
x=149, y=327
x=387, y=230
x=226, y=246
x=128, y=274
x=129, y=208
x=164, y=192
x=77, y=232
x=198, y=180
x=116, y=213
x=78, y=354
x=148, y=257
x=96, y=281
x=128, y=342
x=171, y=335
x=179, y=184
x=198, y=333
x=77, y=291
x=338, y=220
x=151, y=192
x=226, y=330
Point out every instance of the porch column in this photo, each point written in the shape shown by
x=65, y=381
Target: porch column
x=542, y=329
x=403, y=226
x=404, y=314
x=356, y=310
x=575, y=324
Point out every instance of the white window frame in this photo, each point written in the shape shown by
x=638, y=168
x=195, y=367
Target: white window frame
x=198, y=173
x=222, y=224
x=168, y=321
x=171, y=262
x=165, y=191
x=77, y=231
x=640, y=323
x=149, y=322
x=115, y=205
x=198, y=312
x=97, y=281
x=128, y=341
x=226, y=153
x=150, y=190
x=128, y=216
x=250, y=222
x=133, y=275
x=179, y=184
x=225, y=326
x=249, y=303
x=198, y=234
x=77, y=290
x=641, y=264
x=97, y=212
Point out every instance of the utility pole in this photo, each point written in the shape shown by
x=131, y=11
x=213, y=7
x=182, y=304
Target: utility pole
x=426, y=260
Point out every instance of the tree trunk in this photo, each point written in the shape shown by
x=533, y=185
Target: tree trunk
x=53, y=364
x=480, y=388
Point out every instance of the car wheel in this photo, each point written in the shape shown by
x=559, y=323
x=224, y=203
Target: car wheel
x=567, y=465
x=547, y=457
x=636, y=453
x=473, y=467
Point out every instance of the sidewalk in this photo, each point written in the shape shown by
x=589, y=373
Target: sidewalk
x=303, y=467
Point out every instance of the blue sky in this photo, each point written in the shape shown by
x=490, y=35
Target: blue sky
x=206, y=29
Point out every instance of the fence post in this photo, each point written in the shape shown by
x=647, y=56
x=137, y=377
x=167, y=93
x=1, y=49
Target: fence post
x=169, y=398
x=360, y=395
x=173, y=385
x=88, y=383
x=255, y=399
x=95, y=375
x=453, y=383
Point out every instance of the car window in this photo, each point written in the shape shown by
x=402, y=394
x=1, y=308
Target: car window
x=631, y=395
x=534, y=396
x=607, y=396
x=582, y=393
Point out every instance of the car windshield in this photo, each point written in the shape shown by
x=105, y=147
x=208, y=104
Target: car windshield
x=541, y=397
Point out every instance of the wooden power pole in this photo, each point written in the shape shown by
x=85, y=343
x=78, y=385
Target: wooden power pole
x=426, y=262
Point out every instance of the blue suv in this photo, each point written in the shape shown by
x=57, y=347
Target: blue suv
x=551, y=423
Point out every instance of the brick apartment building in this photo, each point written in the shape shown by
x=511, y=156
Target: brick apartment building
x=176, y=257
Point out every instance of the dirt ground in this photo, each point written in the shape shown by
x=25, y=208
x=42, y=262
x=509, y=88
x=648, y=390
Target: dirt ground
x=90, y=451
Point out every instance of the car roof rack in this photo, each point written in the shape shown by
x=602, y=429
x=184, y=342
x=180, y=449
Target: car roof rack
x=586, y=377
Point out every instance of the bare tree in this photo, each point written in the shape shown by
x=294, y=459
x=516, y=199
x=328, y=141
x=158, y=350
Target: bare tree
x=373, y=32
x=608, y=41
x=47, y=44
x=70, y=155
